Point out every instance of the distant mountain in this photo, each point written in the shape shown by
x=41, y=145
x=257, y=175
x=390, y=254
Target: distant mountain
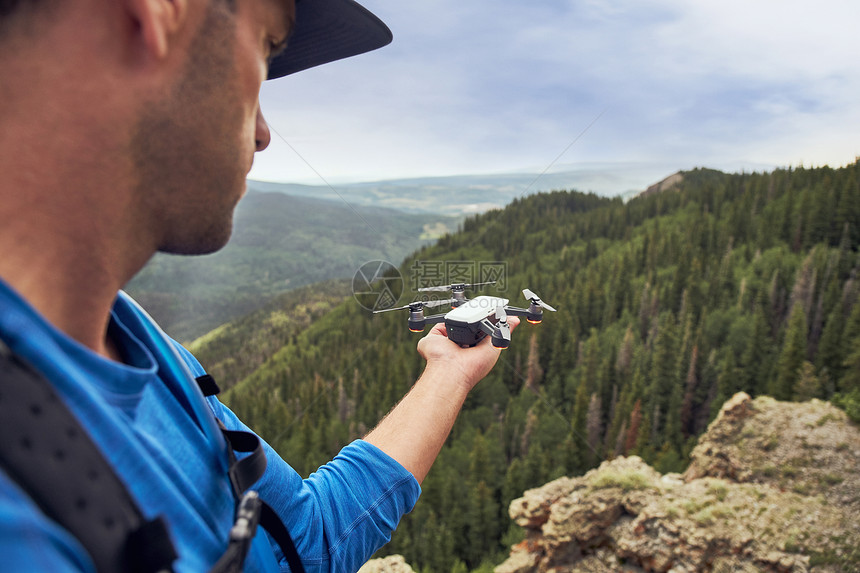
x=461, y=195
x=280, y=242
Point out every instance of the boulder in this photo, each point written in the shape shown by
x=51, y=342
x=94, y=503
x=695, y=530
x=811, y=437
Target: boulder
x=772, y=486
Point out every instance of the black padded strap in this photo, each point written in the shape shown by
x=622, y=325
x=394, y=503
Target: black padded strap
x=49, y=454
x=243, y=474
x=208, y=385
x=276, y=528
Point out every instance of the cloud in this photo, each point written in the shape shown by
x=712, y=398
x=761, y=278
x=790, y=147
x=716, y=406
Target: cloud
x=478, y=86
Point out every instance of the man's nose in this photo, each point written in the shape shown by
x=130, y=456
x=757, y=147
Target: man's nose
x=262, y=136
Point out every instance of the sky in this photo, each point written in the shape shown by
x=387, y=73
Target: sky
x=637, y=87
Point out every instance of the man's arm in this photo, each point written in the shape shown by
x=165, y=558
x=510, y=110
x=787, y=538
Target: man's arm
x=415, y=430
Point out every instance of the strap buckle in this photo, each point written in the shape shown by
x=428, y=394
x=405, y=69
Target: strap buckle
x=247, y=517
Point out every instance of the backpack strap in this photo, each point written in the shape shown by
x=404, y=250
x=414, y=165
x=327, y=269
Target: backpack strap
x=208, y=386
x=43, y=444
x=250, y=510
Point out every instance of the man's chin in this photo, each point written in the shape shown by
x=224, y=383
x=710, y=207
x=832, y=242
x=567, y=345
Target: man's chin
x=203, y=244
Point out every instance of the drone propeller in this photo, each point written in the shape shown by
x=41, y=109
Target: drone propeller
x=501, y=315
x=501, y=338
x=535, y=299
x=418, y=305
x=455, y=286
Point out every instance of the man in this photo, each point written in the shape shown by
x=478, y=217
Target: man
x=127, y=127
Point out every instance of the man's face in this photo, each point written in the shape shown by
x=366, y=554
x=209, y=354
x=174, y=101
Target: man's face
x=195, y=146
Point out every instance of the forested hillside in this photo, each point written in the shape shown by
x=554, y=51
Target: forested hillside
x=668, y=305
x=280, y=242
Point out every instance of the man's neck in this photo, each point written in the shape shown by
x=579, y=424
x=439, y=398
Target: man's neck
x=69, y=236
x=68, y=268
x=77, y=300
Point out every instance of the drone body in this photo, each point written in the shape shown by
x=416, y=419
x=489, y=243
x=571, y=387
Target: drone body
x=473, y=319
x=468, y=323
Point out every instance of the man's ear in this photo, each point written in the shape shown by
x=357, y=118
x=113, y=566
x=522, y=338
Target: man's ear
x=157, y=21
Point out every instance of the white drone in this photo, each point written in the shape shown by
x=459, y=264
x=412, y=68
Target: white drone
x=472, y=319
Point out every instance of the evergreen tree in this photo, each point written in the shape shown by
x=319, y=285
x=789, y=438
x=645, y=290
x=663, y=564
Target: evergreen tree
x=756, y=358
x=808, y=385
x=850, y=381
x=633, y=431
x=664, y=379
x=792, y=357
x=594, y=427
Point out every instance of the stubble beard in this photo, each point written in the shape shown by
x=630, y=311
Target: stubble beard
x=187, y=147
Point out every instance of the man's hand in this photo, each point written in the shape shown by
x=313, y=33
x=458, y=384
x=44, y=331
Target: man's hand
x=473, y=364
x=415, y=430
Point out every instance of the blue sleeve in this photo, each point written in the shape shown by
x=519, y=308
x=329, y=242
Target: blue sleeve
x=341, y=514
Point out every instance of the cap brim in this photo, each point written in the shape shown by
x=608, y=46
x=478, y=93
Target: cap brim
x=329, y=30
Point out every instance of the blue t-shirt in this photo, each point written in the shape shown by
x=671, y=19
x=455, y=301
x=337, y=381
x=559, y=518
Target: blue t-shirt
x=154, y=426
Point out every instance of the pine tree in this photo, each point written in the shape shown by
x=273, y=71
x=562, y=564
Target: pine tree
x=808, y=385
x=633, y=431
x=534, y=372
x=690, y=383
x=664, y=378
x=756, y=359
x=850, y=380
x=832, y=348
x=625, y=353
x=594, y=427
x=792, y=357
x=483, y=523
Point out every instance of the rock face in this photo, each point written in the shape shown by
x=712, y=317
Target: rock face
x=773, y=486
x=664, y=185
x=390, y=564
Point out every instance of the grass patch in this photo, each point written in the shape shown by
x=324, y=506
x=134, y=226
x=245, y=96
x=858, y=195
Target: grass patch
x=771, y=443
x=789, y=472
x=708, y=515
x=791, y=544
x=629, y=481
x=692, y=506
x=672, y=512
x=719, y=490
x=802, y=488
x=769, y=471
x=831, y=479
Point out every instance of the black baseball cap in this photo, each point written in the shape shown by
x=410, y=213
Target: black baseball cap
x=329, y=30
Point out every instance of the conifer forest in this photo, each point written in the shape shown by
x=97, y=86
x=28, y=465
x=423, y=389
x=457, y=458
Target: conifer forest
x=668, y=304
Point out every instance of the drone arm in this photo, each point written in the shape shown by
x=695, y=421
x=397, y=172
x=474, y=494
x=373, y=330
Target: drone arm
x=435, y=319
x=514, y=311
x=529, y=314
x=488, y=327
x=418, y=324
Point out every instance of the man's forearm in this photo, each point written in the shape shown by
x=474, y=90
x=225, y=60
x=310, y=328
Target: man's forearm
x=414, y=432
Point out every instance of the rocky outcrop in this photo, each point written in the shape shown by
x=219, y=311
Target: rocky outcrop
x=772, y=486
x=664, y=185
x=390, y=564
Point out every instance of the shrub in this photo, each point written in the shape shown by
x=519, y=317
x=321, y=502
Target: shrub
x=628, y=481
